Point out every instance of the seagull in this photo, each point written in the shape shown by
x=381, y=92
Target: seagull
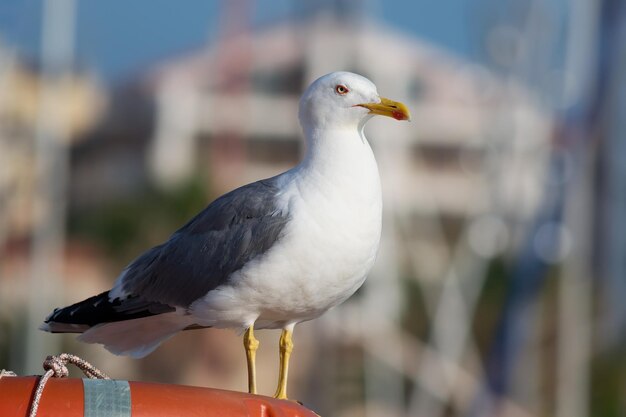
x=268, y=255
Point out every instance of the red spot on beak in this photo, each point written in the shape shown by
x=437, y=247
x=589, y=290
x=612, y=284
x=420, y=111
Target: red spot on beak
x=398, y=115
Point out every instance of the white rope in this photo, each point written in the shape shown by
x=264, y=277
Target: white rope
x=56, y=366
x=4, y=372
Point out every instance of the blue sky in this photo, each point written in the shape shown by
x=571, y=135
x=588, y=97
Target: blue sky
x=121, y=37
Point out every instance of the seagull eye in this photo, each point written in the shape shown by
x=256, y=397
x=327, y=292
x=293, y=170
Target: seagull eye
x=341, y=89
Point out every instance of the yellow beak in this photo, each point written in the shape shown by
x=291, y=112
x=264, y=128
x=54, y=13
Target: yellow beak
x=388, y=108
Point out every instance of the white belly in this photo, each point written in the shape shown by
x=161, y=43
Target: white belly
x=319, y=263
x=323, y=264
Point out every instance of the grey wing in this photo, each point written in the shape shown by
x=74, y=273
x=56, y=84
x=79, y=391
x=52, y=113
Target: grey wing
x=206, y=251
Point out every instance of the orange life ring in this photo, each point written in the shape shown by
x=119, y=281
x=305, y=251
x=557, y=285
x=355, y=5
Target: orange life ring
x=65, y=397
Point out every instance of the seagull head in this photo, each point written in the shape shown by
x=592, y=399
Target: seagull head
x=345, y=100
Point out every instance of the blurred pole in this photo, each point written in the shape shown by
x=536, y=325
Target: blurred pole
x=573, y=344
x=7, y=176
x=51, y=165
x=613, y=172
x=574, y=315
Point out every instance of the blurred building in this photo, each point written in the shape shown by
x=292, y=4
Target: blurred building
x=81, y=102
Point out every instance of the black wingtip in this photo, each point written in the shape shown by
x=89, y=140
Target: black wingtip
x=100, y=309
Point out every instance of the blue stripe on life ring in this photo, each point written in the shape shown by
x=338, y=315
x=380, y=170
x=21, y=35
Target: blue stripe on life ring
x=106, y=398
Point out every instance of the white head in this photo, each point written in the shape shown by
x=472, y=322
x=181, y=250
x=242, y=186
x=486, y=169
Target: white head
x=342, y=100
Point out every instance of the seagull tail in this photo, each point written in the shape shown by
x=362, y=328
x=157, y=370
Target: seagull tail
x=129, y=326
x=138, y=337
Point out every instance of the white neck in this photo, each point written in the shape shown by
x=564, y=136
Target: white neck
x=340, y=161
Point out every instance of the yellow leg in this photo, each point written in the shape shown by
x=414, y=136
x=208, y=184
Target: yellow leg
x=251, y=344
x=286, y=346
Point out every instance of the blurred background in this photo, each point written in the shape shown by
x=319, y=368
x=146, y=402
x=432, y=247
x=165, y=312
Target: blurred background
x=500, y=285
